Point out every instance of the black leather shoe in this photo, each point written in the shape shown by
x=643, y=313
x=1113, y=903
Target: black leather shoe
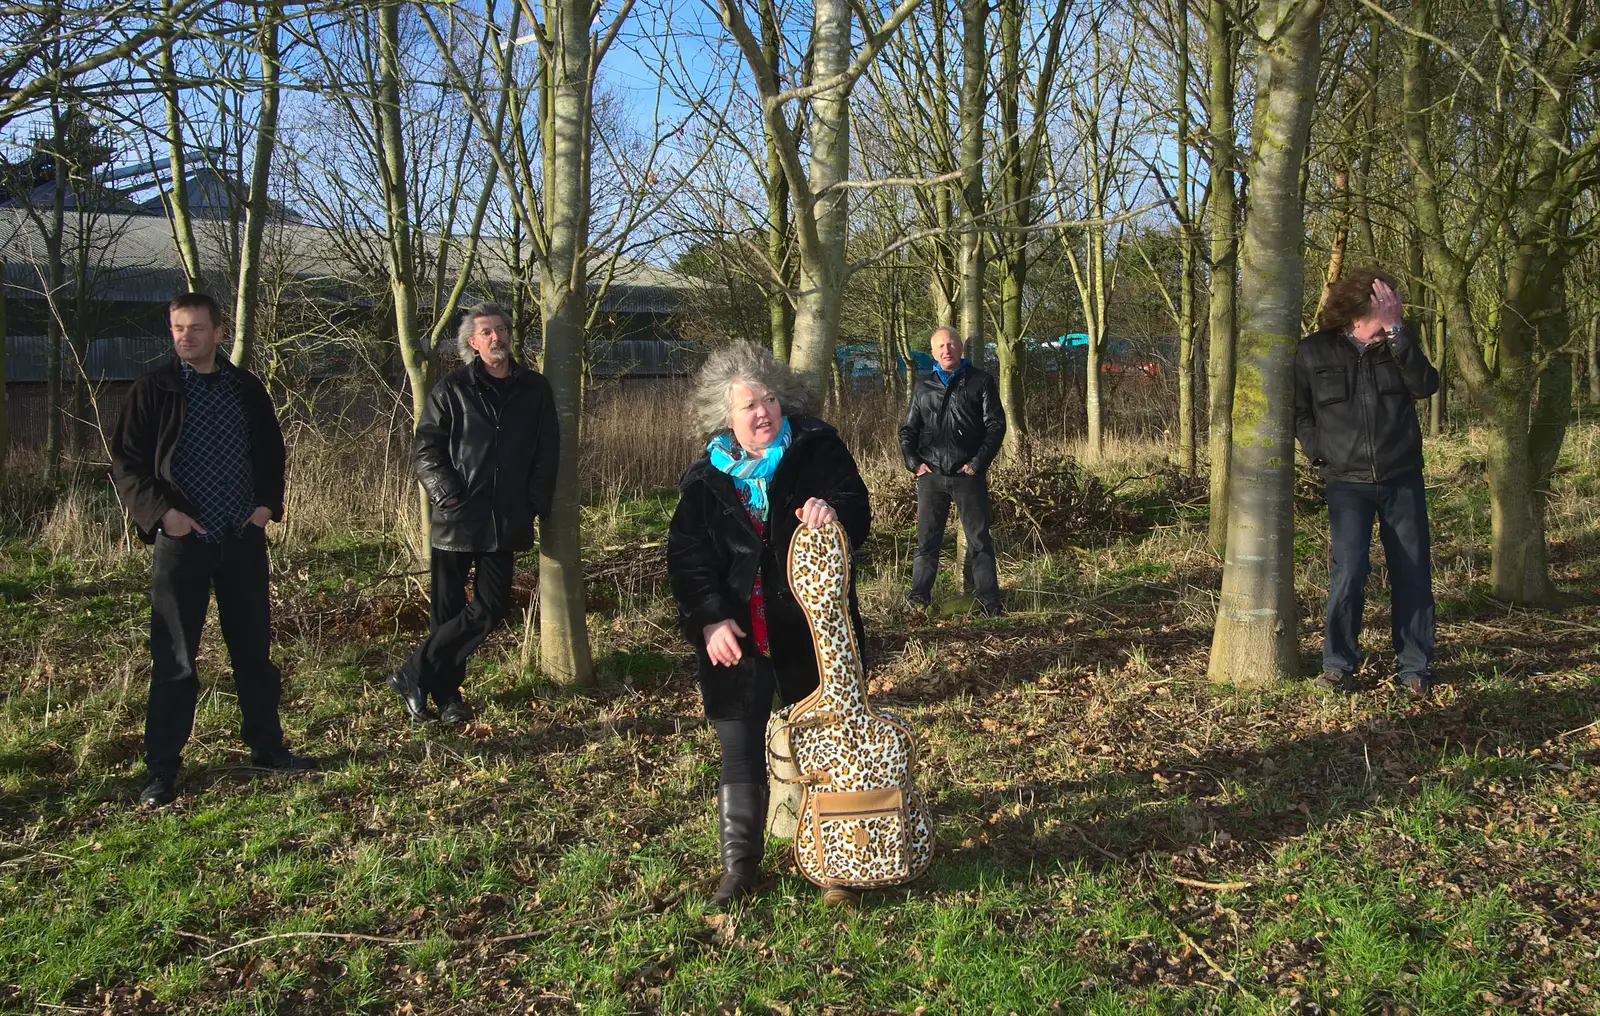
x=162, y=789
x=742, y=817
x=412, y=695
x=995, y=609
x=283, y=760
x=1334, y=681
x=455, y=711
x=1418, y=686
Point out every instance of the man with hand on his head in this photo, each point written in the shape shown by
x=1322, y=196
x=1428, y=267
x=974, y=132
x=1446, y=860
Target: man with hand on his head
x=198, y=460
x=1356, y=382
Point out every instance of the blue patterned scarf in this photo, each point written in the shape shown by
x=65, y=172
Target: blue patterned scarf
x=749, y=473
x=945, y=376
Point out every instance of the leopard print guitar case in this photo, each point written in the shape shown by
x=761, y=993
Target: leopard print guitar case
x=862, y=822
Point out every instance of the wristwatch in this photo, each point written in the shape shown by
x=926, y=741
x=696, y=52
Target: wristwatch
x=1392, y=332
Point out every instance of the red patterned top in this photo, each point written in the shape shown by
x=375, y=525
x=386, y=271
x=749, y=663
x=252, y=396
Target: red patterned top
x=758, y=607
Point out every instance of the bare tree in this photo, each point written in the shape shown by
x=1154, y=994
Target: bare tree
x=1256, y=638
x=1495, y=196
x=820, y=191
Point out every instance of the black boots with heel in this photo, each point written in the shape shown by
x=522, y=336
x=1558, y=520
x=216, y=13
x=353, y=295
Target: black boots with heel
x=742, y=821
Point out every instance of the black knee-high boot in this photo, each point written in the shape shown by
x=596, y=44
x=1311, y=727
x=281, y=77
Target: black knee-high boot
x=742, y=820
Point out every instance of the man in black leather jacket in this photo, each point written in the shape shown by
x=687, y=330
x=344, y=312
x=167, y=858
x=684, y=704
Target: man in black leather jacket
x=953, y=430
x=486, y=453
x=1356, y=381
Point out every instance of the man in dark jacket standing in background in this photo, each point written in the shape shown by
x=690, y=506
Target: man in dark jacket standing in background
x=1356, y=380
x=197, y=457
x=486, y=451
x=953, y=430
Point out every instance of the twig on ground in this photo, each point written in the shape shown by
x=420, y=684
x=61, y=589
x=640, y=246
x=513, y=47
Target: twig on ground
x=654, y=906
x=1578, y=730
x=1191, y=943
x=342, y=936
x=35, y=853
x=1102, y=851
x=1213, y=886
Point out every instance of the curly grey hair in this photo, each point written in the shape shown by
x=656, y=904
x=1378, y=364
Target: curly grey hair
x=469, y=327
x=748, y=364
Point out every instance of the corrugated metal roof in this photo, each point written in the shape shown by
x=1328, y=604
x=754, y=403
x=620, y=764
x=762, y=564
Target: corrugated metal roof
x=136, y=261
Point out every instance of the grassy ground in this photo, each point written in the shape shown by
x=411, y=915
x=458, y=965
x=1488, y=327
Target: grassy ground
x=1115, y=834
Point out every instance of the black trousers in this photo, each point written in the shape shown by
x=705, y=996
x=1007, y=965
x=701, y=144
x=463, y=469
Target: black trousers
x=935, y=492
x=744, y=738
x=183, y=575
x=1401, y=507
x=456, y=627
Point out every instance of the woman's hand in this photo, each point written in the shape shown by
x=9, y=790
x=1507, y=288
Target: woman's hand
x=816, y=513
x=722, y=642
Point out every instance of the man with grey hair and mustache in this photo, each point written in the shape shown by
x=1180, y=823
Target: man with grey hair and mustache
x=952, y=431
x=486, y=452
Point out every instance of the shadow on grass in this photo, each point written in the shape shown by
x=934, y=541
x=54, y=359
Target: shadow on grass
x=1275, y=793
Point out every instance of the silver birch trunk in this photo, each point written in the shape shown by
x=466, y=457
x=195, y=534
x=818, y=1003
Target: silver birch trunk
x=564, y=653
x=822, y=275
x=1257, y=633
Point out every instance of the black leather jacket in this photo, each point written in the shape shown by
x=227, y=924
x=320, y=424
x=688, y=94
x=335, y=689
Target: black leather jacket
x=951, y=427
x=146, y=436
x=714, y=554
x=1355, y=411
x=497, y=463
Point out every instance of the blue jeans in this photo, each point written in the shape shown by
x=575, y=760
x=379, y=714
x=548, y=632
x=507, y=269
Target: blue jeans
x=935, y=492
x=1401, y=507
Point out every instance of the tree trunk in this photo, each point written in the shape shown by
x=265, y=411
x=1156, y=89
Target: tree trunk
x=1257, y=633
x=1594, y=362
x=1222, y=326
x=1438, y=406
x=974, y=68
x=258, y=206
x=1092, y=293
x=564, y=653
x=5, y=418
x=1518, y=569
x=57, y=279
x=397, y=224
x=178, y=196
x=780, y=312
x=821, y=281
x=1186, y=252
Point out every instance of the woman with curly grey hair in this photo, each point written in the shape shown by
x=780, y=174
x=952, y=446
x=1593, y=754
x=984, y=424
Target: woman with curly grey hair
x=768, y=469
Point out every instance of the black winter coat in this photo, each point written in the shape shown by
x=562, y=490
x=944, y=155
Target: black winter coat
x=496, y=460
x=147, y=434
x=713, y=553
x=1355, y=411
x=952, y=427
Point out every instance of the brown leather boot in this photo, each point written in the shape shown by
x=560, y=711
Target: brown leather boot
x=742, y=819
